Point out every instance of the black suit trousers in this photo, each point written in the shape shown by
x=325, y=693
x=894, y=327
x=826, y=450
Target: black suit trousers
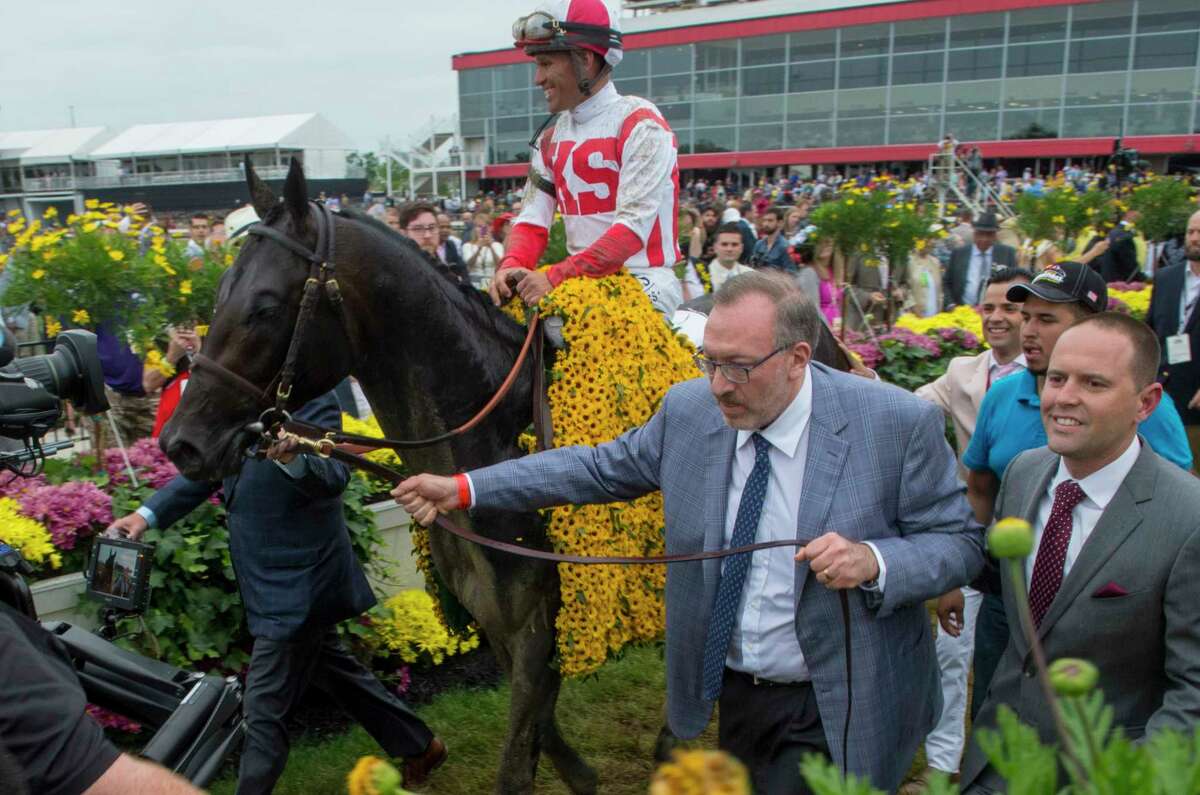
x=280, y=671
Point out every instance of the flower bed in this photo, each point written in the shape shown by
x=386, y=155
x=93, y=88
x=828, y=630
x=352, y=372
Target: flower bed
x=918, y=350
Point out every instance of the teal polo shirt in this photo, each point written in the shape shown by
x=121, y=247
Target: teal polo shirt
x=1010, y=422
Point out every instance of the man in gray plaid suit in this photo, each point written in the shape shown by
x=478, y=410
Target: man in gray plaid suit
x=774, y=446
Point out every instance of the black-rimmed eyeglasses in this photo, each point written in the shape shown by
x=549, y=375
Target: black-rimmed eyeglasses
x=734, y=373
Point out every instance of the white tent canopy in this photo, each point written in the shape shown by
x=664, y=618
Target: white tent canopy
x=292, y=131
x=39, y=147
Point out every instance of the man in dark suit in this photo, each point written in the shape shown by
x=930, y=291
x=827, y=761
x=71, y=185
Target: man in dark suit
x=1117, y=546
x=298, y=578
x=1174, y=318
x=967, y=275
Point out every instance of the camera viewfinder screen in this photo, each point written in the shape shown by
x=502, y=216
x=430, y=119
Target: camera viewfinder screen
x=116, y=571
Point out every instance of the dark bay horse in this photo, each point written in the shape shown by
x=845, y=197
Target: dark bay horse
x=429, y=354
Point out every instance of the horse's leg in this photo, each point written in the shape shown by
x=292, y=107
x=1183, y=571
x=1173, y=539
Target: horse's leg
x=519, y=758
x=578, y=775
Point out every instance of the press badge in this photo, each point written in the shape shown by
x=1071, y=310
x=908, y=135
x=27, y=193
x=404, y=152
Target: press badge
x=1179, y=349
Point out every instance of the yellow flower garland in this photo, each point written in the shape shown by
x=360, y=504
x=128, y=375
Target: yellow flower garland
x=407, y=625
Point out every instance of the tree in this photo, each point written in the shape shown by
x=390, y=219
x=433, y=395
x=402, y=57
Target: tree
x=376, y=168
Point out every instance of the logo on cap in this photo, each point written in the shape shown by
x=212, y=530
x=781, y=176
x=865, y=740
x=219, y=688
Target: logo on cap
x=1052, y=275
x=1092, y=296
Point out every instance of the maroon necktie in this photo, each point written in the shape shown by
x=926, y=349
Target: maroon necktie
x=1052, y=551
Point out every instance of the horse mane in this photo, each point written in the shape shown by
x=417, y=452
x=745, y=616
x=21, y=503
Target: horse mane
x=476, y=305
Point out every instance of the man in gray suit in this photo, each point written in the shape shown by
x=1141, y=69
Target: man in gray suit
x=774, y=446
x=1117, y=540
x=970, y=266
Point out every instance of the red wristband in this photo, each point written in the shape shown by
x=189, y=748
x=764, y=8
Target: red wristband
x=464, y=491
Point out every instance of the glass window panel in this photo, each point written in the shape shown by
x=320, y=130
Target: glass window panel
x=813, y=45
x=714, y=139
x=815, y=76
x=1166, y=16
x=920, y=68
x=511, y=103
x=809, y=135
x=710, y=85
x=474, y=81
x=635, y=64
x=1027, y=60
x=714, y=55
x=763, y=80
x=913, y=129
x=713, y=113
x=518, y=75
x=864, y=40
x=1173, y=85
x=863, y=72
x=760, y=110
x=860, y=132
x=668, y=60
x=760, y=50
x=1025, y=124
x=862, y=102
x=811, y=106
x=1098, y=55
x=683, y=140
x=475, y=106
x=972, y=126
x=1033, y=92
x=757, y=137
x=1164, y=52
x=1098, y=89
x=1173, y=118
x=510, y=152
x=678, y=114
x=471, y=128
x=919, y=34
x=916, y=99
x=1037, y=24
x=637, y=86
x=672, y=88
x=976, y=30
x=1092, y=122
x=982, y=95
x=512, y=128
x=974, y=64
x=1101, y=19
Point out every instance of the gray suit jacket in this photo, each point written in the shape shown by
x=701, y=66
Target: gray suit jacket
x=960, y=261
x=1146, y=643
x=878, y=468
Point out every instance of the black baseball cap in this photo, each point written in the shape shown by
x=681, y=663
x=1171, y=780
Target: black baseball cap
x=1065, y=283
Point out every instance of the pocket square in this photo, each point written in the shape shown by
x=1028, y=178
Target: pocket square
x=1109, y=590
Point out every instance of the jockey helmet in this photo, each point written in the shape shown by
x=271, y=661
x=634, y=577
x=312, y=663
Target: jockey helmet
x=567, y=25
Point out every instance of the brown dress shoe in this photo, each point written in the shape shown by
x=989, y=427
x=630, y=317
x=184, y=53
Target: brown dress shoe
x=418, y=768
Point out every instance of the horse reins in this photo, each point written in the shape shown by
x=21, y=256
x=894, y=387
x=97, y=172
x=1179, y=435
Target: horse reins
x=321, y=281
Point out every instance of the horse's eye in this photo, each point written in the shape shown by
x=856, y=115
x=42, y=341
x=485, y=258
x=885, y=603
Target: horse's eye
x=264, y=313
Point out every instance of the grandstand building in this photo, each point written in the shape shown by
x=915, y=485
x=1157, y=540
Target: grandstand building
x=177, y=166
x=752, y=86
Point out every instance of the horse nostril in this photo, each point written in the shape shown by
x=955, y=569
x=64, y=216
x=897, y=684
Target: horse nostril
x=185, y=455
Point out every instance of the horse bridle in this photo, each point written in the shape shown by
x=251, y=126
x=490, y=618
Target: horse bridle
x=320, y=282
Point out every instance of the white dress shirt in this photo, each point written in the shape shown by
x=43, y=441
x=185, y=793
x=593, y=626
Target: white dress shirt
x=978, y=270
x=996, y=371
x=1099, y=488
x=1188, y=296
x=764, y=641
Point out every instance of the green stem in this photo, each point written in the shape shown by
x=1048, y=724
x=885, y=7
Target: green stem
x=1016, y=568
x=1081, y=719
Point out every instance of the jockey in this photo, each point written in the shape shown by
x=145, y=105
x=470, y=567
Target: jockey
x=608, y=164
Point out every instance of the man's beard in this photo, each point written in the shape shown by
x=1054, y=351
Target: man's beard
x=1192, y=253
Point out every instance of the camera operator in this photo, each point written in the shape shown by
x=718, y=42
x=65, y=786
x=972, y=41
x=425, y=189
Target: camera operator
x=43, y=727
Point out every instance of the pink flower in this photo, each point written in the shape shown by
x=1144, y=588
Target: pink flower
x=69, y=510
x=149, y=462
x=111, y=720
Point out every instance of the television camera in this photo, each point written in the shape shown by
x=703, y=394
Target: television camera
x=196, y=718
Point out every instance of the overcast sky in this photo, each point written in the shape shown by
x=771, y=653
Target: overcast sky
x=371, y=68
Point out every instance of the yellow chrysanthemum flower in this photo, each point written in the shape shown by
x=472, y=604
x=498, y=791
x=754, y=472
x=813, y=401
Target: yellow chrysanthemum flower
x=185, y=287
x=37, y=274
x=116, y=254
x=27, y=536
x=80, y=316
x=53, y=327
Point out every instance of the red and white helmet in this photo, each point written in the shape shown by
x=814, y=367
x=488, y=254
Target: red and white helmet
x=564, y=25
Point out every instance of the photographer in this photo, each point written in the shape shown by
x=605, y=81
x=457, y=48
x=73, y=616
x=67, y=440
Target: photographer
x=43, y=727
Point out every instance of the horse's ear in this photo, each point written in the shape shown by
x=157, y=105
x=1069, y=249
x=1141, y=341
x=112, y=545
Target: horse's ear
x=261, y=195
x=295, y=195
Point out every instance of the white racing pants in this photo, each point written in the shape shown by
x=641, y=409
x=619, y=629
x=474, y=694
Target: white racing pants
x=944, y=745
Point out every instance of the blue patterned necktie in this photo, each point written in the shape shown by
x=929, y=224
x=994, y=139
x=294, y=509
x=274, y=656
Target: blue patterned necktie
x=733, y=578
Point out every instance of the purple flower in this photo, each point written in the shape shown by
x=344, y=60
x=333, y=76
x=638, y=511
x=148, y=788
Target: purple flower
x=12, y=485
x=68, y=510
x=403, y=680
x=111, y=720
x=148, y=460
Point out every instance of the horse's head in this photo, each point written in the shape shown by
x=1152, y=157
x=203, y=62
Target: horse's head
x=257, y=305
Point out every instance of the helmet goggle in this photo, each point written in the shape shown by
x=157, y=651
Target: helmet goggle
x=541, y=30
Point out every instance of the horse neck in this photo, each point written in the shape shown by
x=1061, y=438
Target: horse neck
x=433, y=357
